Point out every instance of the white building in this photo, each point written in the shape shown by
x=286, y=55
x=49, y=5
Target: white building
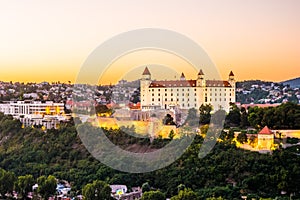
x=18, y=108
x=186, y=94
x=35, y=113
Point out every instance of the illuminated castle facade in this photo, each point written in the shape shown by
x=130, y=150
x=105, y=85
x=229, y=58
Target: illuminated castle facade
x=186, y=94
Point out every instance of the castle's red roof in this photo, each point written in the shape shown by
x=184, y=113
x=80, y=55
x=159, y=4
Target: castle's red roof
x=188, y=83
x=146, y=71
x=265, y=130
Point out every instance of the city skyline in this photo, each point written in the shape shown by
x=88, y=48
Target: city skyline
x=49, y=41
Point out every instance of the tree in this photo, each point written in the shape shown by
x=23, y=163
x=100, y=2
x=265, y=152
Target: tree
x=192, y=118
x=46, y=186
x=98, y=190
x=7, y=180
x=24, y=185
x=186, y=194
x=242, y=138
x=244, y=118
x=146, y=187
x=234, y=116
x=168, y=120
x=153, y=195
x=205, y=115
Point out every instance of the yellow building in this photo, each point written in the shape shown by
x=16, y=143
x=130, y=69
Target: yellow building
x=265, y=139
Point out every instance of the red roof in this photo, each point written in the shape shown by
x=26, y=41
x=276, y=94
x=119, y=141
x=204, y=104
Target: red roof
x=188, y=83
x=265, y=130
x=217, y=83
x=173, y=83
x=146, y=71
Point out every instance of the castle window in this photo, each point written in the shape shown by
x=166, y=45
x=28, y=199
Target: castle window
x=220, y=94
x=205, y=99
x=220, y=99
x=177, y=90
x=165, y=89
x=210, y=99
x=171, y=94
x=224, y=99
x=220, y=89
x=158, y=94
x=230, y=99
x=225, y=89
x=166, y=99
x=229, y=94
x=216, y=99
x=195, y=99
x=171, y=99
x=177, y=99
x=183, y=105
x=177, y=94
x=205, y=89
x=182, y=89
x=166, y=94
x=188, y=105
x=188, y=89
x=152, y=94
x=152, y=90
x=195, y=94
x=195, y=89
x=171, y=90
x=152, y=99
x=182, y=99
x=215, y=89
x=158, y=99
x=195, y=105
x=158, y=89
x=188, y=100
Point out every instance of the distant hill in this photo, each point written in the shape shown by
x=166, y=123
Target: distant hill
x=294, y=83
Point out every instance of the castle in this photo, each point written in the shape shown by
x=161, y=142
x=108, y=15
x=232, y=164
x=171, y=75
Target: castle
x=186, y=94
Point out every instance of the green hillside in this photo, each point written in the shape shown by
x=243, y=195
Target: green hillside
x=227, y=171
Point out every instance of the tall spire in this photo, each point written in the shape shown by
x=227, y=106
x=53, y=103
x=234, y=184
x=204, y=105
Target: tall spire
x=146, y=71
x=231, y=73
x=182, y=77
x=200, y=72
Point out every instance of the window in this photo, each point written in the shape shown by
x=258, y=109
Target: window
x=171, y=90
x=182, y=89
x=195, y=99
x=230, y=99
x=177, y=99
x=220, y=94
x=195, y=94
x=158, y=99
x=152, y=99
x=188, y=89
x=183, y=105
x=188, y=105
x=152, y=90
x=166, y=94
x=195, y=90
x=171, y=99
x=166, y=99
x=177, y=90
x=188, y=99
x=215, y=99
x=195, y=105
x=205, y=99
x=229, y=94
x=182, y=99
x=224, y=99
x=177, y=94
x=171, y=94
x=158, y=94
x=152, y=94
x=158, y=89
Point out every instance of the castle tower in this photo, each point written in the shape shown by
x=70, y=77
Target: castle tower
x=231, y=79
x=200, y=79
x=144, y=87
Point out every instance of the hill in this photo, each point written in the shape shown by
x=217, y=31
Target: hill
x=294, y=83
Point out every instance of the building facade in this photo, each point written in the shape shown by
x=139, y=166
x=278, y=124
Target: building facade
x=17, y=108
x=186, y=94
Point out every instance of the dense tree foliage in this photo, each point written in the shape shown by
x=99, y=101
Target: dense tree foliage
x=226, y=172
x=98, y=190
x=153, y=195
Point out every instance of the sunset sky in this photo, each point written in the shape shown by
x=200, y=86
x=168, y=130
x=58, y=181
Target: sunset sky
x=50, y=40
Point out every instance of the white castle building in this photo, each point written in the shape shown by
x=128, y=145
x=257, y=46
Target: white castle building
x=186, y=94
